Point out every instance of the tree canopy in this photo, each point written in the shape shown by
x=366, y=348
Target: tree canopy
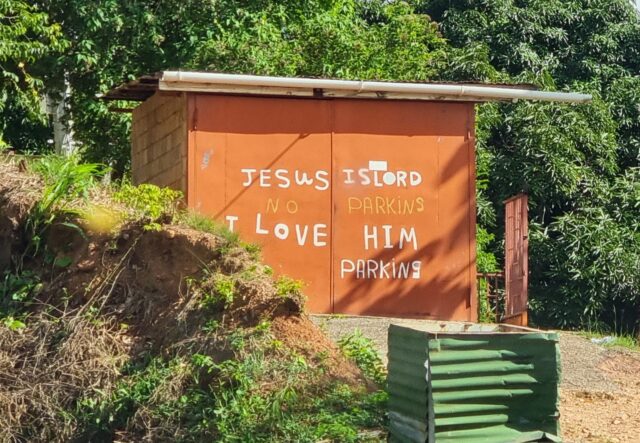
x=579, y=164
x=27, y=37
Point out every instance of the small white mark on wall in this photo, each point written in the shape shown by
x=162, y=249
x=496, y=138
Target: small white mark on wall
x=377, y=165
x=206, y=159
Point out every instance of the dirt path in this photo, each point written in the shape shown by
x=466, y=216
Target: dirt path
x=600, y=389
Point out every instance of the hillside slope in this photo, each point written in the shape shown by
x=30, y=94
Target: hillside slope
x=145, y=329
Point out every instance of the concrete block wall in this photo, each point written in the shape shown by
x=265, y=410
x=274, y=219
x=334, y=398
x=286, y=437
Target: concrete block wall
x=159, y=141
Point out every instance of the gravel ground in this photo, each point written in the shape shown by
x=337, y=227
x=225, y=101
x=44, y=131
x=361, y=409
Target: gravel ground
x=599, y=392
x=581, y=362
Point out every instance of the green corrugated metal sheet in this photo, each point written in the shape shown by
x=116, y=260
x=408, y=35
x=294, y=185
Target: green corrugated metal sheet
x=490, y=386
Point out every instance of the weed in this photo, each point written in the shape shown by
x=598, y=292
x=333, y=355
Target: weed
x=65, y=180
x=253, y=249
x=223, y=293
x=322, y=357
x=225, y=287
x=149, y=202
x=237, y=340
x=211, y=326
x=362, y=351
x=203, y=223
x=13, y=323
x=250, y=273
x=286, y=286
x=180, y=394
x=62, y=262
x=485, y=313
x=276, y=344
x=17, y=289
x=102, y=412
x=263, y=327
x=203, y=361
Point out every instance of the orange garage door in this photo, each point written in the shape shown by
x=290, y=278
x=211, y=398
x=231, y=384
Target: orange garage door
x=370, y=202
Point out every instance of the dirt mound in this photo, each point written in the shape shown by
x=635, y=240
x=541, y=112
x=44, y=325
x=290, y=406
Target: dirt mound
x=19, y=192
x=106, y=300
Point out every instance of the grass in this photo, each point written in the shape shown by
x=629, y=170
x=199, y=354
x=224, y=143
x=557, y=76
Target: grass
x=203, y=223
x=619, y=340
x=196, y=398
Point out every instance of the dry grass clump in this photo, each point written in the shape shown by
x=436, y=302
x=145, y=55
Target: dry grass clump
x=18, y=184
x=47, y=367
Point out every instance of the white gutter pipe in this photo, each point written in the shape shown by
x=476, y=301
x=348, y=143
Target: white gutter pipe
x=209, y=81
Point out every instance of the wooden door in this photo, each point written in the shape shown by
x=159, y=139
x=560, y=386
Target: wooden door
x=516, y=247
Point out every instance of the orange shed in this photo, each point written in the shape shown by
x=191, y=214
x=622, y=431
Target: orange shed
x=363, y=190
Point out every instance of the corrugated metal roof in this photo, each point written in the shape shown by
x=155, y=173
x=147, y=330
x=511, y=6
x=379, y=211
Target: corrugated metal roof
x=136, y=90
x=145, y=86
x=473, y=386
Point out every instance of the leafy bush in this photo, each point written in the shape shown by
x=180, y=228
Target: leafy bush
x=597, y=258
x=286, y=286
x=571, y=160
x=363, y=352
x=181, y=400
x=150, y=202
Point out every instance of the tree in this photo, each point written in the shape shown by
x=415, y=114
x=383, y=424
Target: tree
x=576, y=162
x=336, y=39
x=117, y=40
x=26, y=38
x=114, y=41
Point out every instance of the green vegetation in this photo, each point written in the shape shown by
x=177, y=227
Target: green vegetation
x=624, y=341
x=579, y=164
x=286, y=286
x=227, y=375
x=363, y=352
x=203, y=223
x=16, y=292
x=223, y=293
x=28, y=39
x=486, y=262
x=149, y=202
x=208, y=372
x=66, y=180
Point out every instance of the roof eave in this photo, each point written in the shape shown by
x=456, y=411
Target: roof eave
x=210, y=82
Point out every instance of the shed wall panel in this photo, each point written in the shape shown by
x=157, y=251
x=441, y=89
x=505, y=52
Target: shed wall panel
x=264, y=165
x=275, y=168
x=386, y=186
x=401, y=233
x=159, y=141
